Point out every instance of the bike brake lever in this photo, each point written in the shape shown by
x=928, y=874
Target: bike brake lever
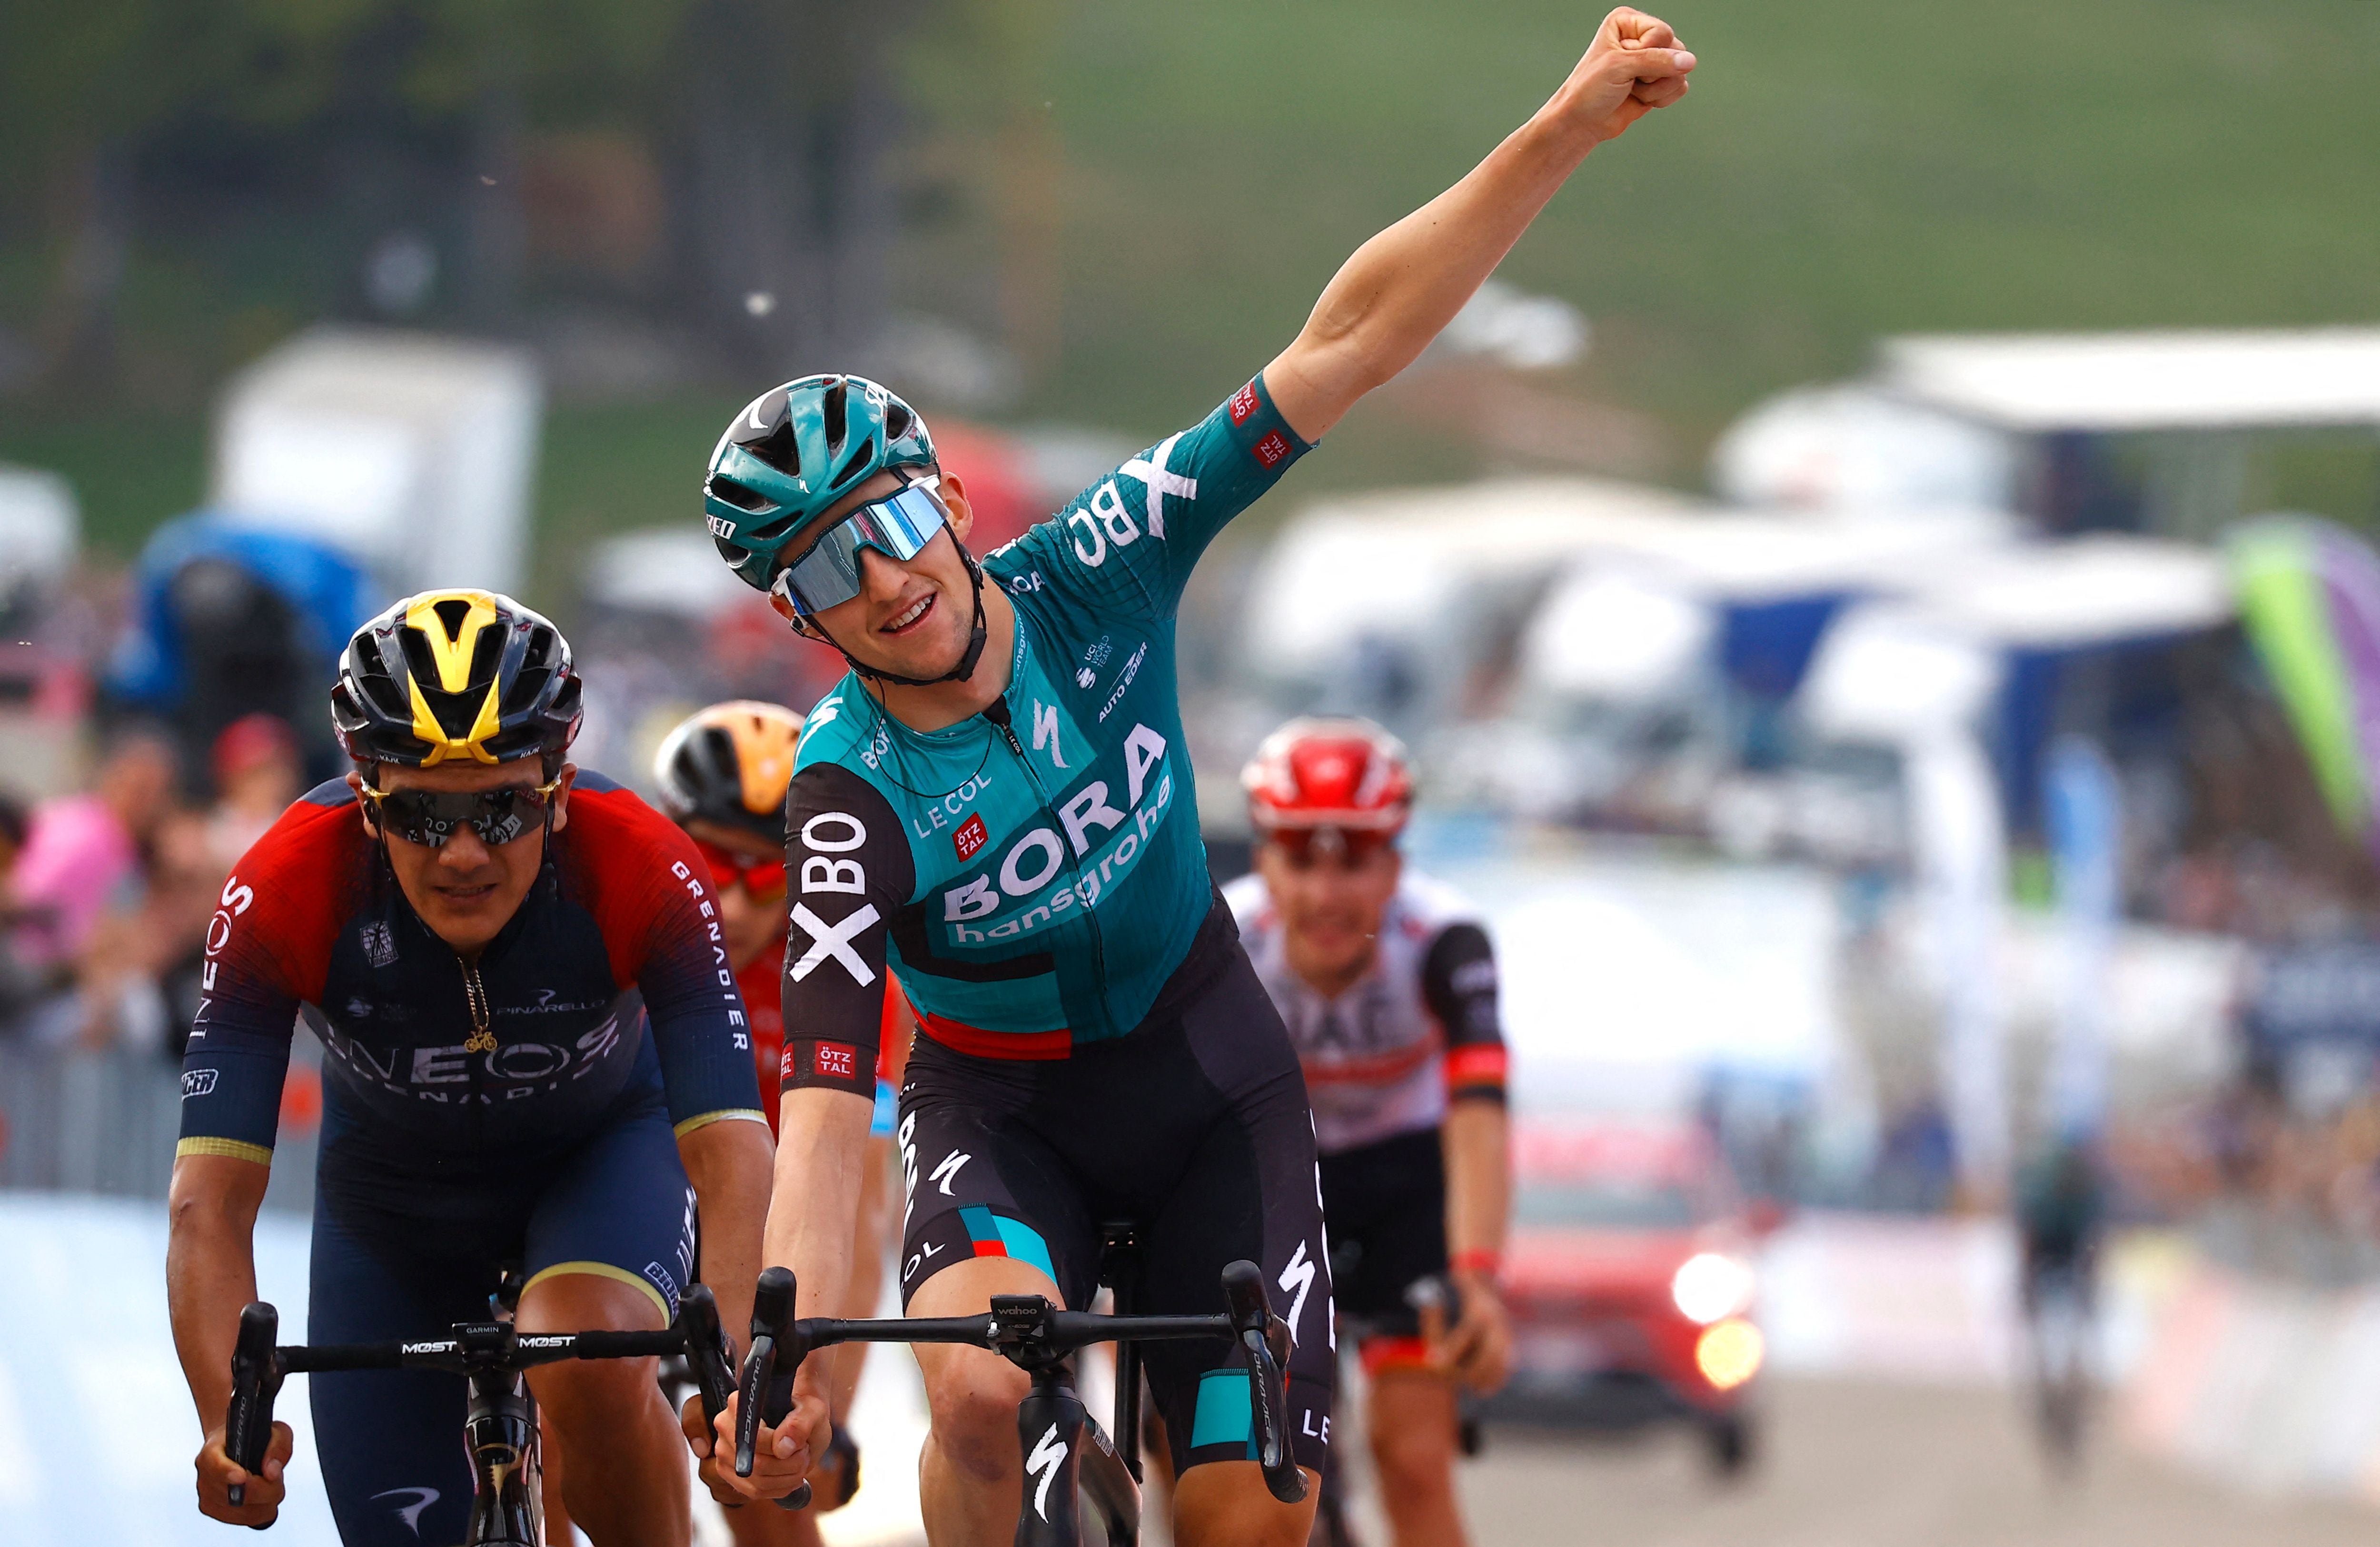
x=1265, y=1338
x=708, y=1356
x=772, y=1329
x=255, y=1381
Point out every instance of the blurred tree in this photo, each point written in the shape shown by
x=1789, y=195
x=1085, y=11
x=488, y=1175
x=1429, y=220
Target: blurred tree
x=503, y=65
x=789, y=218
x=80, y=84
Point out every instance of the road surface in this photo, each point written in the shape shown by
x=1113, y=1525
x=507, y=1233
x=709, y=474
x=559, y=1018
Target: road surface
x=1853, y=1464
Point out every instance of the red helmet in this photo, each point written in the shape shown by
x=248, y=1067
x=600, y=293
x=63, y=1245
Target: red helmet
x=1347, y=776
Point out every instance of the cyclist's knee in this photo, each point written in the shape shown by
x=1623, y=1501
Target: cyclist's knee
x=973, y=1397
x=596, y=1396
x=1412, y=1432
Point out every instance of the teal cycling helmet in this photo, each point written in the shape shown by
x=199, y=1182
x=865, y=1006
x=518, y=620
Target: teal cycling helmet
x=791, y=452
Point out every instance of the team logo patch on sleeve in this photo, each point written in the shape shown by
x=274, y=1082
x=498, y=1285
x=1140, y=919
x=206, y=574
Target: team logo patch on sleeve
x=1243, y=403
x=1272, y=449
x=836, y=1060
x=971, y=836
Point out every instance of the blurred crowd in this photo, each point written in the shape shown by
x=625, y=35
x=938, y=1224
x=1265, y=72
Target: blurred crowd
x=107, y=890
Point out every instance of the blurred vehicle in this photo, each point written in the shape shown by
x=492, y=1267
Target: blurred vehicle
x=1630, y=1283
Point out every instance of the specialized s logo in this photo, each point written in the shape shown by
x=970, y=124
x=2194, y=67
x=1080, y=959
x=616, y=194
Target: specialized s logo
x=1297, y=1279
x=1049, y=1454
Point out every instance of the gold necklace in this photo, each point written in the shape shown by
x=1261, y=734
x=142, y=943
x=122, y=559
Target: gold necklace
x=476, y=994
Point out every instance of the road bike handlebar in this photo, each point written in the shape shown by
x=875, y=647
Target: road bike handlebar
x=258, y=1366
x=1030, y=1333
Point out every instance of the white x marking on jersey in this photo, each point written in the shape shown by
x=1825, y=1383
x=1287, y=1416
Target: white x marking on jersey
x=1151, y=471
x=834, y=941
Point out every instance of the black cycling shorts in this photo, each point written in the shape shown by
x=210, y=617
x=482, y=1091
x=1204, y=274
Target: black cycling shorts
x=391, y=1441
x=1385, y=1204
x=1195, y=1127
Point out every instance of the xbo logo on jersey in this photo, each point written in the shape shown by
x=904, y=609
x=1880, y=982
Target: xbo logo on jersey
x=1109, y=521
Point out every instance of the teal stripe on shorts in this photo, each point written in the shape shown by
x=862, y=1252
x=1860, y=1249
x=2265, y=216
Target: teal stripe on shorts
x=1224, y=1415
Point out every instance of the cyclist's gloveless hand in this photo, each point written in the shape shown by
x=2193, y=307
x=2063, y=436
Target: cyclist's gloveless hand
x=1478, y=1348
x=1634, y=66
x=217, y=1472
x=781, y=1459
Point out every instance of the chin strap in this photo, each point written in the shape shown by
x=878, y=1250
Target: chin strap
x=967, y=660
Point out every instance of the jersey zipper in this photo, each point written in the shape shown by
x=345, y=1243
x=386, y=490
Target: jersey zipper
x=997, y=713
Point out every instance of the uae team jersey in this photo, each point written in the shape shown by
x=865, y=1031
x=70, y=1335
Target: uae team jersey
x=610, y=984
x=1033, y=873
x=1382, y=1058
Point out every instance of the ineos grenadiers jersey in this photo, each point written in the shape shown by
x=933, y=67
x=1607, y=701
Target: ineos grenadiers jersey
x=1382, y=1058
x=1034, y=884
x=609, y=984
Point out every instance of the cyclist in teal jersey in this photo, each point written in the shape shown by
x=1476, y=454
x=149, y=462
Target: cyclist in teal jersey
x=997, y=805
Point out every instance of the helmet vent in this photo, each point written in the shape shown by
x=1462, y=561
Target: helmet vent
x=832, y=410
x=451, y=613
x=525, y=689
x=780, y=449
x=485, y=653
x=728, y=492
x=897, y=420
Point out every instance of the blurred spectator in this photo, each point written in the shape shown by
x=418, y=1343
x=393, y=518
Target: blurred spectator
x=137, y=983
x=257, y=773
x=83, y=851
x=20, y=981
x=228, y=621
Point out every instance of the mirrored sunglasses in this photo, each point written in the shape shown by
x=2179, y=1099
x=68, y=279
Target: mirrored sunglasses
x=760, y=878
x=899, y=527
x=429, y=817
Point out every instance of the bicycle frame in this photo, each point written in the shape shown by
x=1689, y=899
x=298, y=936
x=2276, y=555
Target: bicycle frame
x=499, y=1424
x=1061, y=1471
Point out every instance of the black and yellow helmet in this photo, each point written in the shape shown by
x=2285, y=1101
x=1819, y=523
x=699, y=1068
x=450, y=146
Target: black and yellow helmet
x=730, y=764
x=455, y=674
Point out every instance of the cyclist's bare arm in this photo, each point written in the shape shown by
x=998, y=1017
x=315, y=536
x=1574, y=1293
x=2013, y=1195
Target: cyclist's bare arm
x=813, y=1219
x=1402, y=286
x=210, y=1275
x=1459, y=983
x=1478, y=1212
x=728, y=1163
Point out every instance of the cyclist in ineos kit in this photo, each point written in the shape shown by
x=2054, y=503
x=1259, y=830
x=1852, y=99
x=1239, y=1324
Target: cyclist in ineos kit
x=1387, y=985
x=721, y=775
x=533, y=1043
x=997, y=803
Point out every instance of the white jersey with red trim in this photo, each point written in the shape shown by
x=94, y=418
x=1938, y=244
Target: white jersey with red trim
x=1381, y=1058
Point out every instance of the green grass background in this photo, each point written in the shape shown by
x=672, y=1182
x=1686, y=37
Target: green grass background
x=1842, y=169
